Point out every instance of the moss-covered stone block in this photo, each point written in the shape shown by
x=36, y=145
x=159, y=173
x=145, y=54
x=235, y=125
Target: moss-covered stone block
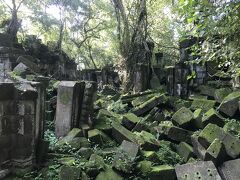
x=213, y=117
x=203, y=104
x=163, y=172
x=120, y=133
x=75, y=132
x=85, y=152
x=216, y=152
x=174, y=133
x=209, y=134
x=97, y=137
x=229, y=105
x=197, y=116
x=150, y=156
x=68, y=161
x=183, y=118
x=144, y=167
x=185, y=151
x=148, y=105
x=109, y=174
x=221, y=93
x=95, y=165
x=70, y=173
x=207, y=90
x=130, y=120
x=147, y=140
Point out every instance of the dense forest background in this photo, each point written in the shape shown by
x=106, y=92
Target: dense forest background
x=97, y=33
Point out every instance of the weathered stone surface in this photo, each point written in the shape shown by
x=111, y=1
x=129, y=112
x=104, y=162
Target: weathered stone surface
x=216, y=152
x=18, y=132
x=98, y=137
x=68, y=172
x=87, y=107
x=130, y=120
x=229, y=170
x=163, y=172
x=95, y=165
x=204, y=170
x=209, y=134
x=221, y=93
x=131, y=149
x=183, y=118
x=144, y=167
x=212, y=116
x=185, y=151
x=120, y=133
x=85, y=152
x=212, y=132
x=229, y=105
x=75, y=132
x=148, y=105
x=198, y=149
x=68, y=105
x=175, y=133
x=109, y=174
x=147, y=141
x=207, y=90
x=203, y=104
x=197, y=116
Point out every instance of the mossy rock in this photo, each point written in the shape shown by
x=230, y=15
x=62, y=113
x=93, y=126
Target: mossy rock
x=221, y=93
x=109, y=174
x=163, y=172
x=70, y=173
x=75, y=132
x=183, y=118
x=185, y=151
x=144, y=167
x=213, y=117
x=203, y=104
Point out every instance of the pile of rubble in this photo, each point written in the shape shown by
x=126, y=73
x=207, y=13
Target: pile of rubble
x=147, y=135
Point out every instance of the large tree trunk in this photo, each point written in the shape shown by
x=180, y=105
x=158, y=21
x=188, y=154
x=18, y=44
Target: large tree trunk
x=14, y=24
x=133, y=41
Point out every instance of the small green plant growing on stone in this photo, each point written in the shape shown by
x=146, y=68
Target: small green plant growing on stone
x=167, y=156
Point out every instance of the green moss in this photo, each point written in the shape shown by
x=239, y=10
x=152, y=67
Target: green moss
x=212, y=116
x=183, y=117
x=144, y=167
x=203, y=104
x=109, y=174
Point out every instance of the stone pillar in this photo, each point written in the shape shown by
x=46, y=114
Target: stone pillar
x=170, y=80
x=17, y=126
x=68, y=106
x=181, y=84
x=141, y=78
x=90, y=93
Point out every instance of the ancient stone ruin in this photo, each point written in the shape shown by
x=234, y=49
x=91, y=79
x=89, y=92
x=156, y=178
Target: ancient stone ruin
x=69, y=127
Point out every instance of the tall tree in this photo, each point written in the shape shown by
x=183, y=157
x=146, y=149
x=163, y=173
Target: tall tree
x=132, y=33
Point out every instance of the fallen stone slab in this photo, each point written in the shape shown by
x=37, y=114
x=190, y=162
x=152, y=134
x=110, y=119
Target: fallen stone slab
x=221, y=93
x=213, y=117
x=147, y=141
x=130, y=120
x=75, y=132
x=198, y=149
x=216, y=152
x=229, y=170
x=229, y=105
x=204, y=170
x=163, y=172
x=197, y=116
x=207, y=90
x=175, y=133
x=148, y=105
x=131, y=149
x=68, y=172
x=185, y=151
x=203, y=104
x=120, y=133
x=108, y=174
x=97, y=137
x=211, y=132
x=183, y=118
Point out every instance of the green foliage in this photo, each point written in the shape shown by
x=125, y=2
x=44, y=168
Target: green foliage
x=117, y=107
x=218, y=25
x=167, y=156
